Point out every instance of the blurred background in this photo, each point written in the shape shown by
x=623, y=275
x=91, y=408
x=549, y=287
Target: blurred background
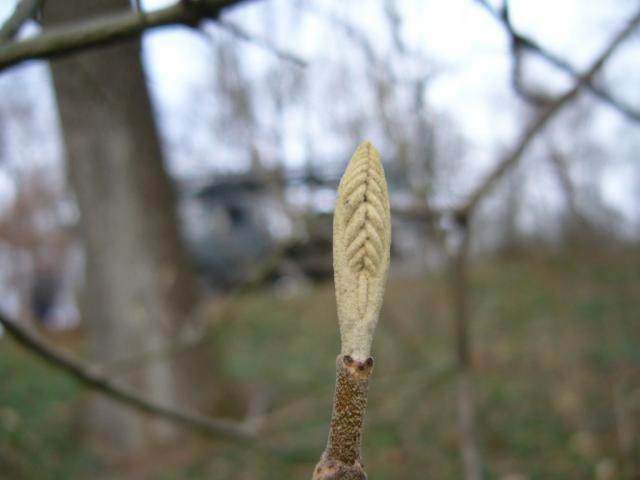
x=166, y=218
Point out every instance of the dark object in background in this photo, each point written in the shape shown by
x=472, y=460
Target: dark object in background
x=227, y=228
x=231, y=223
x=44, y=291
x=313, y=255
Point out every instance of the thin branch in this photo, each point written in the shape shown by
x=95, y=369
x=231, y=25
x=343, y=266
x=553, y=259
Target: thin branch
x=459, y=277
x=378, y=64
x=361, y=251
x=395, y=22
x=459, y=291
x=522, y=41
x=108, y=29
x=541, y=121
x=427, y=376
x=216, y=427
x=263, y=43
x=25, y=9
x=559, y=162
x=503, y=166
x=537, y=98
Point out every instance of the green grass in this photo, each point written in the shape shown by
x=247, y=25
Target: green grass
x=556, y=345
x=38, y=426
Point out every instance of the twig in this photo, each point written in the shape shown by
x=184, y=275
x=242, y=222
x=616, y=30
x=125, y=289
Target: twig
x=108, y=29
x=459, y=262
x=216, y=427
x=512, y=156
x=361, y=249
x=378, y=65
x=263, y=43
x=559, y=164
x=395, y=23
x=521, y=41
x=459, y=286
x=541, y=121
x=427, y=376
x=25, y=9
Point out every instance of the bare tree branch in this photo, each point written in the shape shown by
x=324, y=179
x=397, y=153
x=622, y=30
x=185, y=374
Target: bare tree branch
x=458, y=260
x=559, y=163
x=262, y=43
x=216, y=427
x=25, y=9
x=518, y=49
x=108, y=29
x=377, y=62
x=520, y=41
x=395, y=22
x=355, y=35
x=541, y=121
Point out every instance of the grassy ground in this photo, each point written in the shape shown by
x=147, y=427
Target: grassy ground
x=557, y=346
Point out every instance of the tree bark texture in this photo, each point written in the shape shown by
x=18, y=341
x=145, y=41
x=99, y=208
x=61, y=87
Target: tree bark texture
x=341, y=459
x=140, y=285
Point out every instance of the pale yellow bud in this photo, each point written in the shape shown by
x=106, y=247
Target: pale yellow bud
x=361, y=241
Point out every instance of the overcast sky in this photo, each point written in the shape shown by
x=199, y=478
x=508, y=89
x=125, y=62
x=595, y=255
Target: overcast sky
x=470, y=46
x=459, y=36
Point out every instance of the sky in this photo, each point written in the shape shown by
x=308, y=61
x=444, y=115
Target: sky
x=470, y=46
x=472, y=87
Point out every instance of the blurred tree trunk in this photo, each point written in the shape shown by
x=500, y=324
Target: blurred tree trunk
x=141, y=289
x=459, y=287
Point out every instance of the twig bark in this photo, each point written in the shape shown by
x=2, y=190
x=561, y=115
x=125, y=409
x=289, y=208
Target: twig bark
x=108, y=29
x=216, y=427
x=25, y=9
x=521, y=41
x=341, y=459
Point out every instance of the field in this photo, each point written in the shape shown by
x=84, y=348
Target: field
x=557, y=351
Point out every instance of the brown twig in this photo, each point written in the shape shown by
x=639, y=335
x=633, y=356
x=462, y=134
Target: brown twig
x=511, y=157
x=25, y=9
x=520, y=42
x=108, y=29
x=341, y=459
x=216, y=427
x=458, y=261
x=263, y=43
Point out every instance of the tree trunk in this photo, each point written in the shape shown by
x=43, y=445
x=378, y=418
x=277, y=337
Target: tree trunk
x=459, y=286
x=141, y=289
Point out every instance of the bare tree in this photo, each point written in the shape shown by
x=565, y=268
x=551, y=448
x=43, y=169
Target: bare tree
x=113, y=142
